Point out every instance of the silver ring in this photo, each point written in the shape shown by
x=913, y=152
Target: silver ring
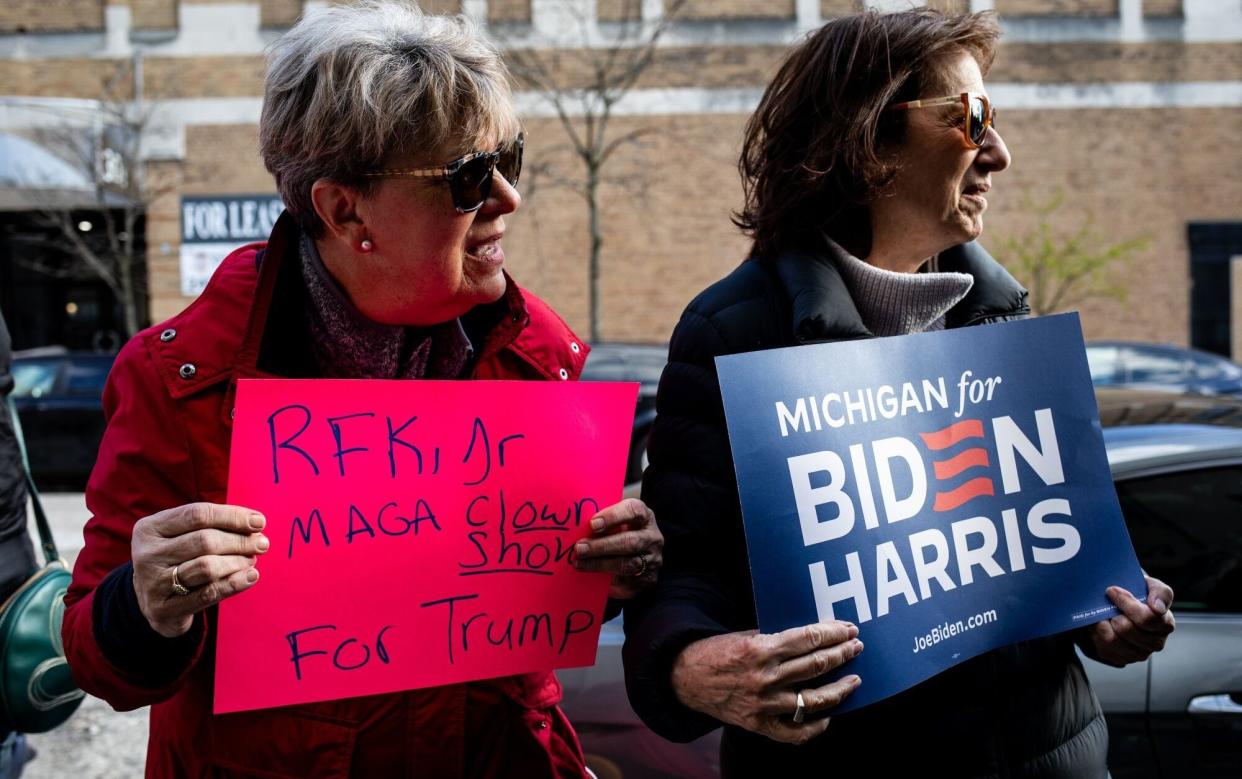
x=642, y=567
x=177, y=587
x=800, y=711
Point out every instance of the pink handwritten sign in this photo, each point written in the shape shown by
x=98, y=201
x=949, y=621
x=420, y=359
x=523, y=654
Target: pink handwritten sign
x=422, y=533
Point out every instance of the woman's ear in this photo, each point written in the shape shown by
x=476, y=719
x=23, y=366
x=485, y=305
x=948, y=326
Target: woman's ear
x=337, y=206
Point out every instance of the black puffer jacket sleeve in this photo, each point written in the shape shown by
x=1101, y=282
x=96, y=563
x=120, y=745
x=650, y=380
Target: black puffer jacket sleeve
x=704, y=587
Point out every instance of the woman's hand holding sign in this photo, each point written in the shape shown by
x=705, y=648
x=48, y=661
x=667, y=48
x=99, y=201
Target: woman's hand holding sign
x=1140, y=629
x=194, y=556
x=754, y=680
x=625, y=542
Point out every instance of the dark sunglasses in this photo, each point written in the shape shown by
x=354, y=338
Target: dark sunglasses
x=470, y=177
x=979, y=113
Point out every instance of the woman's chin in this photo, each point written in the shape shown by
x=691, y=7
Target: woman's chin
x=970, y=227
x=492, y=286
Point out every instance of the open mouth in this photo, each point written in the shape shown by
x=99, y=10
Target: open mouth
x=975, y=194
x=487, y=250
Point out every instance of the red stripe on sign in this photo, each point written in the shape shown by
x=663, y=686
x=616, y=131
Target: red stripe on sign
x=943, y=439
x=947, y=501
x=970, y=458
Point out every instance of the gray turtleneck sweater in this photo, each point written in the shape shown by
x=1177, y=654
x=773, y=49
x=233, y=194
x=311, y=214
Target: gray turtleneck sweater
x=893, y=303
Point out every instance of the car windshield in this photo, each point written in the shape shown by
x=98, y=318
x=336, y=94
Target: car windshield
x=1102, y=361
x=34, y=378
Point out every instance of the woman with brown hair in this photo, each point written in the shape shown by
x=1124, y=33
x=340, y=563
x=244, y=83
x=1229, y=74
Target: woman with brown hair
x=866, y=171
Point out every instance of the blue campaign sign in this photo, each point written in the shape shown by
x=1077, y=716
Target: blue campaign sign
x=947, y=492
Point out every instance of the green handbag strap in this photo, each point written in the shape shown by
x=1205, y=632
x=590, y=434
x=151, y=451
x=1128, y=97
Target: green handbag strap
x=45, y=530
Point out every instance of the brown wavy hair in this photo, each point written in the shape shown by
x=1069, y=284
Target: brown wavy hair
x=814, y=150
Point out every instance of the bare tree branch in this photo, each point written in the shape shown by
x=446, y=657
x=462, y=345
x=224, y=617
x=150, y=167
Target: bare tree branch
x=594, y=79
x=547, y=172
x=626, y=139
x=107, y=149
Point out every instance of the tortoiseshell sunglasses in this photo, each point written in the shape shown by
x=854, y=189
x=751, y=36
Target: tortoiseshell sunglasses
x=979, y=113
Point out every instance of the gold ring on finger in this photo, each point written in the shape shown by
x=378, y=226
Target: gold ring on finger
x=177, y=587
x=642, y=567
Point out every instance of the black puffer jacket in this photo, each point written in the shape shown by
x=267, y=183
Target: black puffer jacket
x=1021, y=711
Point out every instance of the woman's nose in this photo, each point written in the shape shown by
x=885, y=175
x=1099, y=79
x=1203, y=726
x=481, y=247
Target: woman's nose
x=993, y=154
x=504, y=197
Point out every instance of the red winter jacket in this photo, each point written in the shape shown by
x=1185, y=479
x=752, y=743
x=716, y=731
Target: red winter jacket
x=167, y=444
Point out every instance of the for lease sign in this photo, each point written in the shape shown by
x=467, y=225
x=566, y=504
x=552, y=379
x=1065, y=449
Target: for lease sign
x=214, y=225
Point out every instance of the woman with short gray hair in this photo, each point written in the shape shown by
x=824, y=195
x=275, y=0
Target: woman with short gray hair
x=394, y=143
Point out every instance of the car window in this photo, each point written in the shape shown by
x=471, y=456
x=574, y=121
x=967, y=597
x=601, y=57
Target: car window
x=1102, y=360
x=1144, y=365
x=86, y=379
x=1212, y=368
x=1187, y=531
x=34, y=378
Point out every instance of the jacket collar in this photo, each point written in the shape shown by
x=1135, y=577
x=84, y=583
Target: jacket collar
x=995, y=292
x=822, y=309
x=821, y=304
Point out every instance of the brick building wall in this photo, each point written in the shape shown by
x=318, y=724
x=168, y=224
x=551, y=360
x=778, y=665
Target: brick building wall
x=950, y=6
x=1139, y=171
x=830, y=8
x=1119, y=177
x=1137, y=174
x=51, y=15
x=674, y=66
x=75, y=78
x=506, y=11
x=279, y=13
x=442, y=6
x=1162, y=8
x=738, y=9
x=1057, y=7
x=617, y=10
x=154, y=14
x=191, y=77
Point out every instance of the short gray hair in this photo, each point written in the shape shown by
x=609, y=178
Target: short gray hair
x=351, y=86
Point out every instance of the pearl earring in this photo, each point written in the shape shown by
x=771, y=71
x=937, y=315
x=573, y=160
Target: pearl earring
x=367, y=246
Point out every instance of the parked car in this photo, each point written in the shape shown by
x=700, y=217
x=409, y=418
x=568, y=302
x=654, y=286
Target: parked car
x=1137, y=364
x=1122, y=407
x=1180, y=713
x=58, y=395
x=642, y=363
x=1177, y=463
